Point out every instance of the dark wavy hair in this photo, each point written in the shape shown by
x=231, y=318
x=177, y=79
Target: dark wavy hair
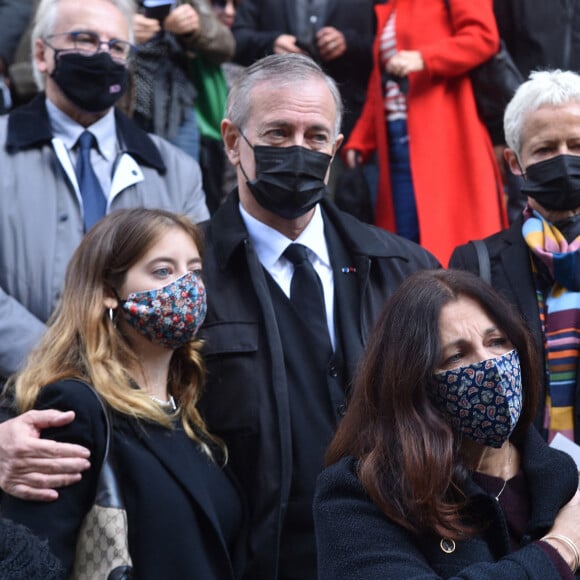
x=411, y=463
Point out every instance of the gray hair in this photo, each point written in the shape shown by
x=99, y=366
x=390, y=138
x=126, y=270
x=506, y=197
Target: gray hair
x=278, y=70
x=46, y=21
x=549, y=87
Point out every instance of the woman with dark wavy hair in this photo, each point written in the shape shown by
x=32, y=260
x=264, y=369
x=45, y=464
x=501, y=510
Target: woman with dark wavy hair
x=436, y=470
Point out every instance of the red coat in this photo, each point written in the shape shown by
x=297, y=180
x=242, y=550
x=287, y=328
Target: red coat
x=455, y=175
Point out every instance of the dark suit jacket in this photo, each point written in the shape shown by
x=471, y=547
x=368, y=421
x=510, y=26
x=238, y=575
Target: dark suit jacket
x=246, y=399
x=170, y=489
x=511, y=275
x=259, y=22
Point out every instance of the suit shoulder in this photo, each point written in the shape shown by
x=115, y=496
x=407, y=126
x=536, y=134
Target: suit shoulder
x=339, y=475
x=171, y=154
x=374, y=241
x=412, y=251
x=466, y=253
x=69, y=394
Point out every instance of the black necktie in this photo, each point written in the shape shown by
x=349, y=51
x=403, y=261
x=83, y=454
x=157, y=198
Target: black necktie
x=306, y=294
x=94, y=202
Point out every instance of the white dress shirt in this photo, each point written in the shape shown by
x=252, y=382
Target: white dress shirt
x=270, y=246
x=103, y=156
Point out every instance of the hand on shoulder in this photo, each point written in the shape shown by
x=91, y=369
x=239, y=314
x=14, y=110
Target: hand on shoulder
x=32, y=468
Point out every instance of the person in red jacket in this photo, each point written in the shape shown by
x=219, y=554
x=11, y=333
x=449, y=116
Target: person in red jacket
x=439, y=181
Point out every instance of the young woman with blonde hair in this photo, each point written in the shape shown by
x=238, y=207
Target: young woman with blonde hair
x=126, y=323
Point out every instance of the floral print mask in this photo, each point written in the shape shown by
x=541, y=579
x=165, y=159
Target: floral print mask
x=482, y=400
x=171, y=315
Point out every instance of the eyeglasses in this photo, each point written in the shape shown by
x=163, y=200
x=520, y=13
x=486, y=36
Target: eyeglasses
x=89, y=43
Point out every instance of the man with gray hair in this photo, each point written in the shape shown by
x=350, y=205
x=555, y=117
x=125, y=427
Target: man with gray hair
x=536, y=262
x=294, y=287
x=69, y=157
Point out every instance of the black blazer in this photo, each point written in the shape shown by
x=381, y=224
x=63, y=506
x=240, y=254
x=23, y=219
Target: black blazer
x=511, y=275
x=184, y=514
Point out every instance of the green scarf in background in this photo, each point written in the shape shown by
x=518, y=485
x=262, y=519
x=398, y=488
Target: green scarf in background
x=212, y=92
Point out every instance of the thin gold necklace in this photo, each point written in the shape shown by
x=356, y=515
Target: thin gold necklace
x=509, y=464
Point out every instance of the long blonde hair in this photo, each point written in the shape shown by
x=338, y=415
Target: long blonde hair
x=83, y=342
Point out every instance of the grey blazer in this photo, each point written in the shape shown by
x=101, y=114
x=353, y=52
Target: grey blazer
x=41, y=219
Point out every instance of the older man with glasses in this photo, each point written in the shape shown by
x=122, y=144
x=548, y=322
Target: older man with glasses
x=69, y=157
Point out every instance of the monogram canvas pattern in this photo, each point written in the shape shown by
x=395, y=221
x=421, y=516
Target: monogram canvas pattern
x=102, y=550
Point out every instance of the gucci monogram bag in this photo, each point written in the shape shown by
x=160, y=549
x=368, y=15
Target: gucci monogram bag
x=102, y=549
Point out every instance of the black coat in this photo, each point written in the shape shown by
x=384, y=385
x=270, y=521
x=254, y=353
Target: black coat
x=540, y=35
x=511, y=275
x=246, y=397
x=356, y=541
x=259, y=22
x=176, y=527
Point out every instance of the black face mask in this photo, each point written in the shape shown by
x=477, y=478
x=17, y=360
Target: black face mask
x=93, y=83
x=555, y=182
x=289, y=180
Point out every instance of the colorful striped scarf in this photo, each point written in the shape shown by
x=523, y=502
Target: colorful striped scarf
x=560, y=318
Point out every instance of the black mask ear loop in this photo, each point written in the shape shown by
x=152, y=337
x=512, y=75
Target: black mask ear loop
x=521, y=168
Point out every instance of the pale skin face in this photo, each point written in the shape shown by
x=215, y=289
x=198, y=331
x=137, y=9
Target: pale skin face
x=172, y=256
x=468, y=336
x=290, y=115
x=546, y=133
x=97, y=16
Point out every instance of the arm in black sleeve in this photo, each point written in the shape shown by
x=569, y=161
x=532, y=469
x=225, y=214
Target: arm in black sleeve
x=60, y=520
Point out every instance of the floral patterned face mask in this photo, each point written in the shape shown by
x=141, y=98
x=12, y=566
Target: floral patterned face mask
x=483, y=400
x=171, y=315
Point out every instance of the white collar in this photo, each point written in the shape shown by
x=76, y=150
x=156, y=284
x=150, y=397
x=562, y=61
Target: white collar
x=69, y=131
x=270, y=244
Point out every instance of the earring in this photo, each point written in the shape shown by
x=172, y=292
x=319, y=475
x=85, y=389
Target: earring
x=111, y=315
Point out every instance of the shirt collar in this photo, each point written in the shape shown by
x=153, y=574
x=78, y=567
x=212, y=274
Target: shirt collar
x=69, y=131
x=270, y=244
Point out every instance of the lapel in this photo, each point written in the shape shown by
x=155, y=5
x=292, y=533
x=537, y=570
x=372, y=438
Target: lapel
x=29, y=125
x=515, y=281
x=227, y=231
x=176, y=455
x=515, y=263
x=347, y=301
x=138, y=144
